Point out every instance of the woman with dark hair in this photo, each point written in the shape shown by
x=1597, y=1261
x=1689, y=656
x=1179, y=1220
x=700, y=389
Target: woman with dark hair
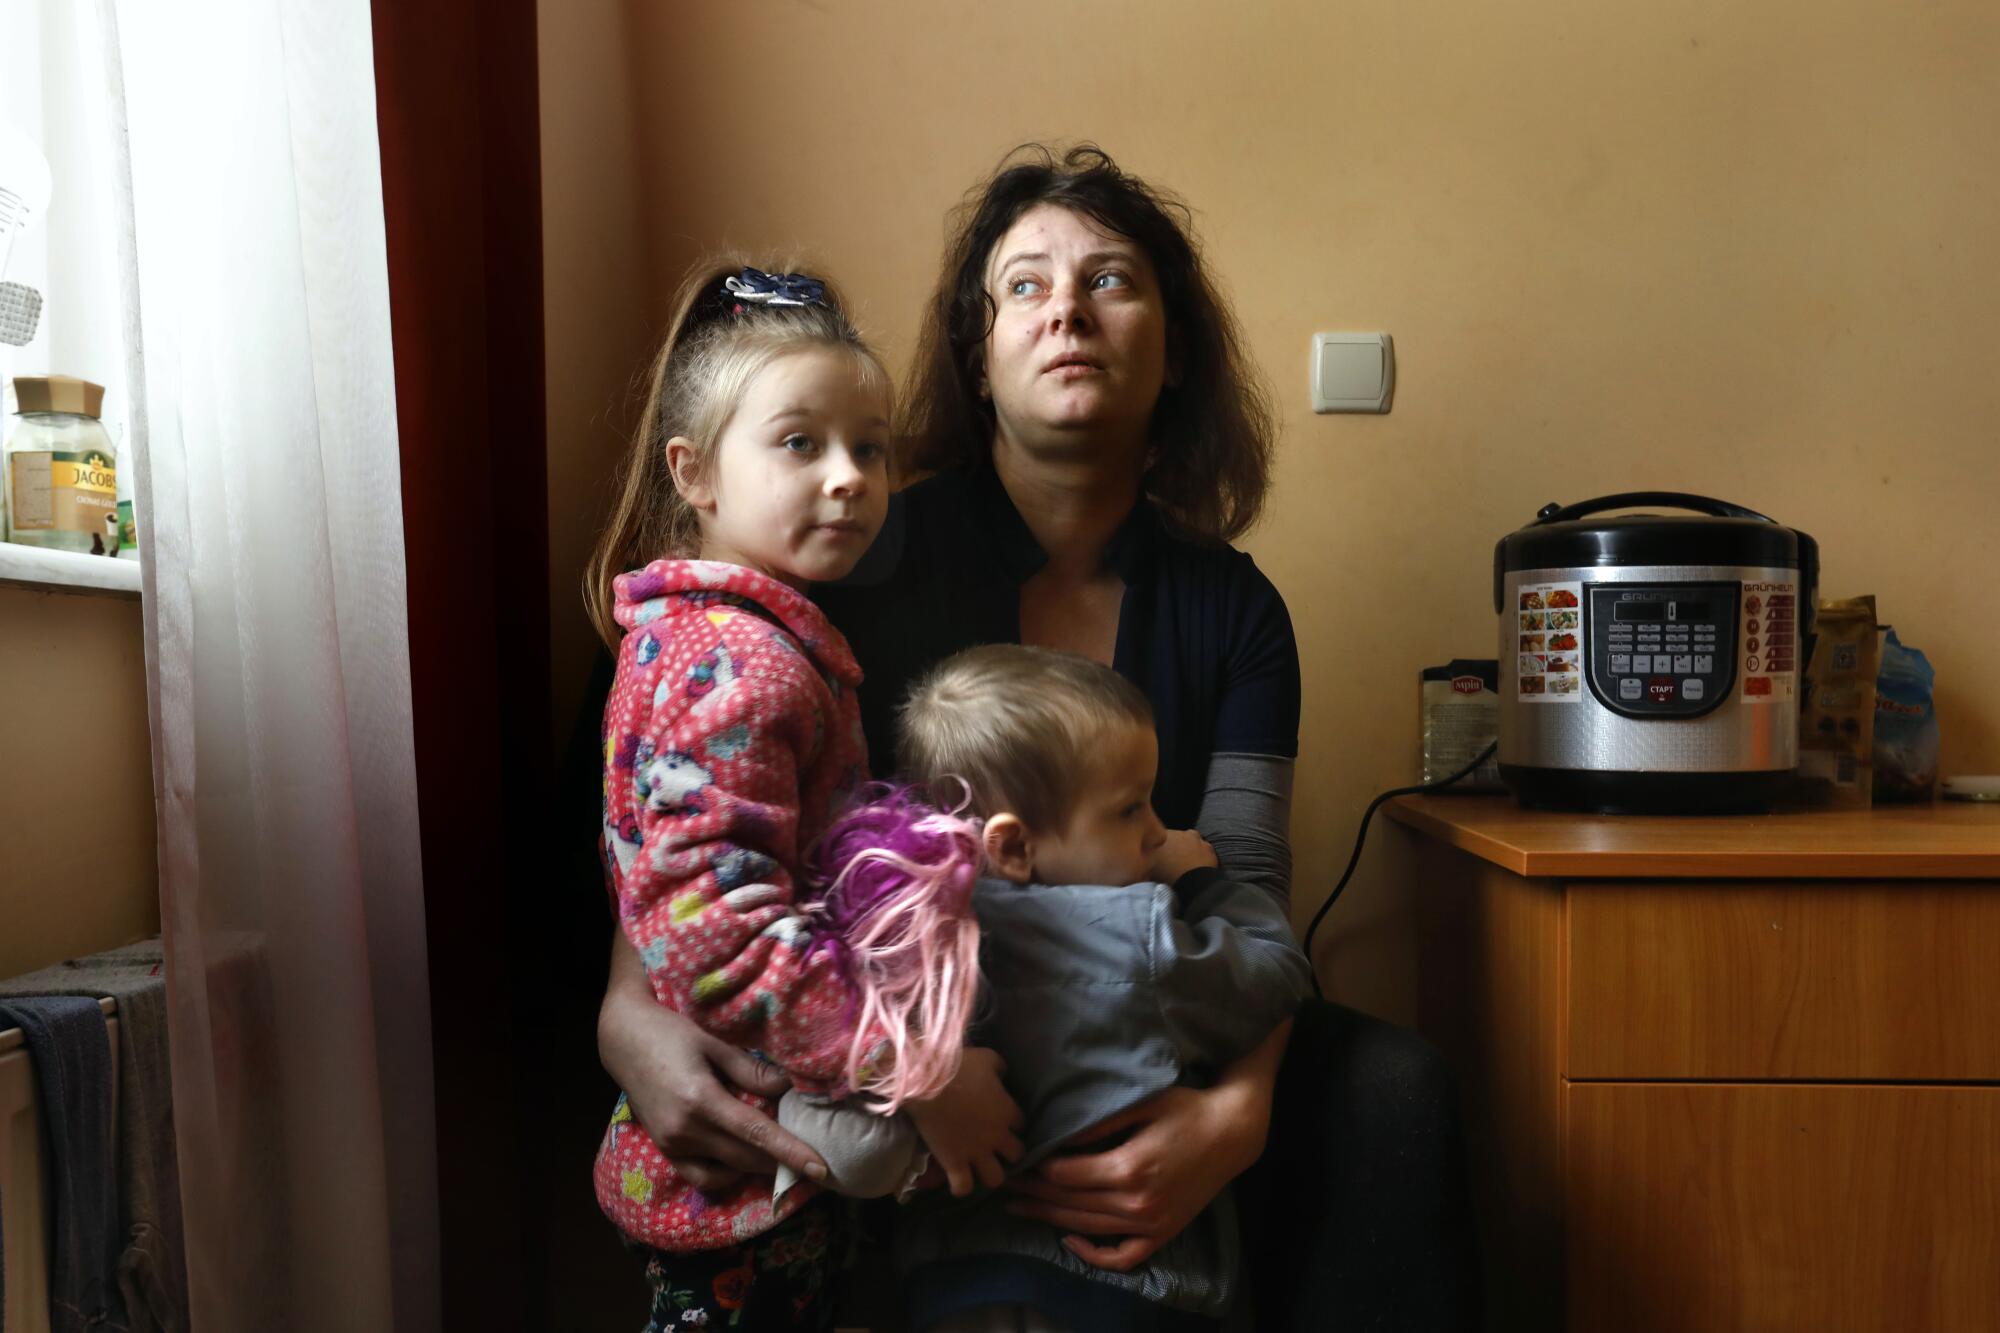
x=1098, y=439
x=1209, y=429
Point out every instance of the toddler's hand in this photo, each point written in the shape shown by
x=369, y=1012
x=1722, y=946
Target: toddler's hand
x=969, y=1126
x=1184, y=850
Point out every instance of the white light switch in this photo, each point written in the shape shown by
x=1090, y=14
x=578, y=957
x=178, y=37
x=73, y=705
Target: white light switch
x=1352, y=372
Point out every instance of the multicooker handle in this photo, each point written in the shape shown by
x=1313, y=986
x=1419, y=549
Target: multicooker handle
x=1701, y=504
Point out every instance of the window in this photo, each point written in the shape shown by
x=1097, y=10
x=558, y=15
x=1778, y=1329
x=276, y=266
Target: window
x=58, y=229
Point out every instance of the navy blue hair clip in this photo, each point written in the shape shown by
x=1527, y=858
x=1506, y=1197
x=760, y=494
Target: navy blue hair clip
x=755, y=287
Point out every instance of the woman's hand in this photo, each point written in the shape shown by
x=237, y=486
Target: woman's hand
x=1184, y=1145
x=680, y=1080
x=970, y=1125
x=1184, y=850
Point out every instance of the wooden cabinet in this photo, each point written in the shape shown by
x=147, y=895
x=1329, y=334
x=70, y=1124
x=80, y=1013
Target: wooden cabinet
x=1727, y=1073
x=1782, y=1206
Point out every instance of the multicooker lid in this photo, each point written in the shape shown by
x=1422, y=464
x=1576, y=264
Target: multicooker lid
x=1717, y=533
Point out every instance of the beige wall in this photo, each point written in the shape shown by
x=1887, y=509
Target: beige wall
x=601, y=263
x=77, y=866
x=1741, y=250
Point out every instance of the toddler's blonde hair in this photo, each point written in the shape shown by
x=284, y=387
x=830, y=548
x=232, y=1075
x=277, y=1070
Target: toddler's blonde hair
x=1013, y=728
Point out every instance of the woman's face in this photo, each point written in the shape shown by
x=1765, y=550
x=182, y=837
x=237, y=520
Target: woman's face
x=1078, y=350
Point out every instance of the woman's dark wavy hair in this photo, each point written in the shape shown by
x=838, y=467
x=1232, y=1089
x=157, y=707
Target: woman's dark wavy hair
x=1212, y=428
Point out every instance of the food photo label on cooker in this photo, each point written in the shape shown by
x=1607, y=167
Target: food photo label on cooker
x=1550, y=669
x=1770, y=615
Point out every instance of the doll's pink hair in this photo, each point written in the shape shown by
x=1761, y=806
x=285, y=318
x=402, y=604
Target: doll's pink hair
x=896, y=910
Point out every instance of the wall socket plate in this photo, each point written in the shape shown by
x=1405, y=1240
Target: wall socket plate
x=1352, y=372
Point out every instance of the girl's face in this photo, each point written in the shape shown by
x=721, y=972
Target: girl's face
x=1078, y=350
x=798, y=484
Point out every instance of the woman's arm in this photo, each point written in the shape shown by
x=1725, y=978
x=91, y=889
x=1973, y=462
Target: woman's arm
x=1246, y=814
x=1246, y=805
x=681, y=1083
x=1186, y=1144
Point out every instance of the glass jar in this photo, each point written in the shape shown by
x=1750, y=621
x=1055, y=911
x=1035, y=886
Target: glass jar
x=61, y=468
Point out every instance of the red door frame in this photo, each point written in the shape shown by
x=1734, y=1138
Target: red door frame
x=458, y=113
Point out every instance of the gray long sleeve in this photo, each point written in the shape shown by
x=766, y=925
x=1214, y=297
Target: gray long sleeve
x=1246, y=815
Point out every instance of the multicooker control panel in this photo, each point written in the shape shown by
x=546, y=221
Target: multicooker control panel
x=1662, y=650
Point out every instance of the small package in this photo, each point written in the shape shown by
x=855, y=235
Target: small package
x=1906, y=725
x=1460, y=716
x=1837, y=721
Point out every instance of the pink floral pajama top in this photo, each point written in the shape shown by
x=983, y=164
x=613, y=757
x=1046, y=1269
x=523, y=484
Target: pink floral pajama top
x=731, y=738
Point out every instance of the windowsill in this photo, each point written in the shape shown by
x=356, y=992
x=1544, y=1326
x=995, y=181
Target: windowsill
x=67, y=571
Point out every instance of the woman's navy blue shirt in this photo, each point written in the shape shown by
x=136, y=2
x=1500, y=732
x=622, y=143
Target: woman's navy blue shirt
x=1201, y=631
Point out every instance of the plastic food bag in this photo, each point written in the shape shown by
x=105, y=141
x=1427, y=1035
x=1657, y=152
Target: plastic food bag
x=1906, y=725
x=1460, y=705
x=1837, y=723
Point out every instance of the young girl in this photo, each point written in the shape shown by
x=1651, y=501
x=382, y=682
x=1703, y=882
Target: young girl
x=732, y=743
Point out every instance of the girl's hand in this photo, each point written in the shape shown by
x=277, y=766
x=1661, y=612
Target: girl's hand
x=1184, y=1145
x=1184, y=850
x=970, y=1125
x=680, y=1080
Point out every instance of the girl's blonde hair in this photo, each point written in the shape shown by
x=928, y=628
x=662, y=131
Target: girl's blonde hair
x=715, y=345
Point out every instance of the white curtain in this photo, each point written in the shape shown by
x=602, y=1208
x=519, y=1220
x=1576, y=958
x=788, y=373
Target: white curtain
x=264, y=437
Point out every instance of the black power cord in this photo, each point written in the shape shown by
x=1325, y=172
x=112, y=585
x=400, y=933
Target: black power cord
x=1361, y=837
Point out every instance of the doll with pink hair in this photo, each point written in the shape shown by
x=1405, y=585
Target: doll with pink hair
x=893, y=901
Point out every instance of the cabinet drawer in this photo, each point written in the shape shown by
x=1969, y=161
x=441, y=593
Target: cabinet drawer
x=1852, y=980
x=1828, y=1208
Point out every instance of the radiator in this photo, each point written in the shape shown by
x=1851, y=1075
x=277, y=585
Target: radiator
x=23, y=1201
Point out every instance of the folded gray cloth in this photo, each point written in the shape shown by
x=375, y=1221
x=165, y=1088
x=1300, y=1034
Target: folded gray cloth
x=71, y=1052
x=152, y=1271
x=867, y=1156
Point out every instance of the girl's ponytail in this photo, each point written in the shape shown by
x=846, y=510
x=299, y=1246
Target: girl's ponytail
x=647, y=514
